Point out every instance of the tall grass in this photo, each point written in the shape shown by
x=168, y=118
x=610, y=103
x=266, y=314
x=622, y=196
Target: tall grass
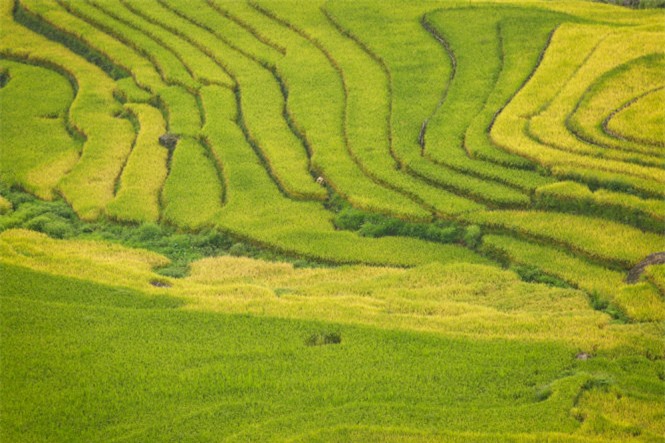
x=611, y=92
x=603, y=240
x=158, y=58
x=37, y=148
x=192, y=195
x=143, y=176
x=150, y=66
x=549, y=126
x=261, y=101
x=256, y=210
x=383, y=372
x=643, y=120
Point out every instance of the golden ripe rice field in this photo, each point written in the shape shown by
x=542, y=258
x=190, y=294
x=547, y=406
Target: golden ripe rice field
x=332, y=220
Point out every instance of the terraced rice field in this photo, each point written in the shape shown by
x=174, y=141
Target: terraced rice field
x=469, y=180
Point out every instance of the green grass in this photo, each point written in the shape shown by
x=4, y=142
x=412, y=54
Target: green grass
x=143, y=176
x=606, y=288
x=492, y=171
x=192, y=194
x=255, y=208
x=262, y=105
x=642, y=120
x=648, y=214
x=205, y=368
x=37, y=148
x=603, y=240
x=612, y=91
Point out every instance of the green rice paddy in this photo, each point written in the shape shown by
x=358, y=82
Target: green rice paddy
x=368, y=220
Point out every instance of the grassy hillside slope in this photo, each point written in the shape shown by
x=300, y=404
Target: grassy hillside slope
x=331, y=220
x=247, y=350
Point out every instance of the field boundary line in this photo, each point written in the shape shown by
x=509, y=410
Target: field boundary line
x=453, y=72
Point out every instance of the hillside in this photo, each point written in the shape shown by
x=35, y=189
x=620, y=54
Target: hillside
x=331, y=220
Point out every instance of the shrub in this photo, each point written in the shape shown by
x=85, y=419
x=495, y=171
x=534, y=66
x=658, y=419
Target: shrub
x=472, y=236
x=324, y=338
x=174, y=270
x=149, y=231
x=5, y=205
x=374, y=225
x=381, y=228
x=532, y=274
x=597, y=301
x=51, y=225
x=349, y=219
x=211, y=242
x=239, y=249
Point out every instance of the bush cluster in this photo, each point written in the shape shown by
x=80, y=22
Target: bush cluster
x=376, y=225
x=533, y=274
x=324, y=338
x=57, y=220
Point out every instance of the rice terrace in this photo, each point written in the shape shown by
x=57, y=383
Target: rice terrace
x=332, y=220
